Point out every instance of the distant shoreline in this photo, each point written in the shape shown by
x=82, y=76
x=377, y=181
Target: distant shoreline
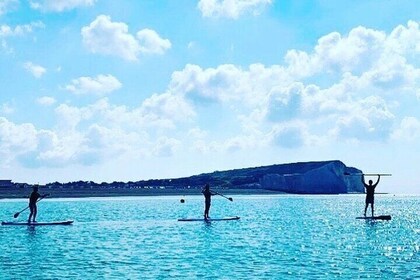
x=76, y=193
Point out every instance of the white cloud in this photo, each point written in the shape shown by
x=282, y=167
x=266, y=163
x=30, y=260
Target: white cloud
x=36, y=70
x=405, y=40
x=7, y=31
x=60, y=5
x=366, y=74
x=7, y=5
x=163, y=110
x=6, y=108
x=15, y=140
x=101, y=84
x=231, y=8
x=291, y=135
x=197, y=133
x=166, y=147
x=94, y=133
x=284, y=103
x=408, y=130
x=228, y=83
x=46, y=101
x=362, y=50
x=371, y=95
x=356, y=107
x=112, y=38
x=113, y=139
x=151, y=42
x=355, y=52
x=369, y=119
x=19, y=30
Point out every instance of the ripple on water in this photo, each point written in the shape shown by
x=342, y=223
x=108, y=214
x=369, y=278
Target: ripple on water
x=277, y=237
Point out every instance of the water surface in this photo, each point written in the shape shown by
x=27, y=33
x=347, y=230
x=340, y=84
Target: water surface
x=277, y=237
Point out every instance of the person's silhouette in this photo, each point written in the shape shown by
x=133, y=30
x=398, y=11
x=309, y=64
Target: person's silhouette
x=33, y=199
x=370, y=193
x=207, y=196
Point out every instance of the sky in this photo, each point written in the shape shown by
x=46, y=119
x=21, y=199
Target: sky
x=130, y=90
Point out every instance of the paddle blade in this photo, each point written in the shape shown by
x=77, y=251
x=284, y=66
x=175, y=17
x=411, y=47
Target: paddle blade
x=16, y=215
x=231, y=199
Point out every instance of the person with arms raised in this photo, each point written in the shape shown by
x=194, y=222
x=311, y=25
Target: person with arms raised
x=370, y=192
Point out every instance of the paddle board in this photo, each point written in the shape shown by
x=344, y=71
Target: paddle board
x=63, y=223
x=209, y=220
x=383, y=217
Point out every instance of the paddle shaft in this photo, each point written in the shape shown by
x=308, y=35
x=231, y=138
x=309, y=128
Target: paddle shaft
x=380, y=174
x=369, y=174
x=223, y=196
x=18, y=213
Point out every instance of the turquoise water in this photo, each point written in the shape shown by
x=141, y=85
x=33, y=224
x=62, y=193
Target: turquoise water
x=277, y=237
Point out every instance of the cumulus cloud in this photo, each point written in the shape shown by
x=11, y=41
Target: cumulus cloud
x=291, y=135
x=164, y=110
x=231, y=8
x=284, y=103
x=101, y=84
x=36, y=70
x=315, y=97
x=46, y=101
x=112, y=38
x=113, y=139
x=60, y=5
x=166, y=147
x=369, y=119
x=355, y=52
x=228, y=83
x=367, y=71
x=151, y=42
x=15, y=140
x=361, y=50
x=88, y=135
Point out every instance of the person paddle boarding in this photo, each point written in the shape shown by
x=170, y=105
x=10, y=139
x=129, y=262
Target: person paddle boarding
x=370, y=192
x=33, y=199
x=207, y=200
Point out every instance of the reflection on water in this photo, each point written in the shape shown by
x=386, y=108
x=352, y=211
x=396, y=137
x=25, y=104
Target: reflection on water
x=31, y=232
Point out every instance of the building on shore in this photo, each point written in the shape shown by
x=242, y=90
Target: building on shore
x=6, y=183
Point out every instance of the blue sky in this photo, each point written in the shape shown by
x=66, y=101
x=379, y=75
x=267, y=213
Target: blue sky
x=130, y=90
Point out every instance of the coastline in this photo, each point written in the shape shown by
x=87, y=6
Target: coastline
x=76, y=193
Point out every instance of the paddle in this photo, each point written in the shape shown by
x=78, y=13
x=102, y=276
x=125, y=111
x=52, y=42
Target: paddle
x=366, y=174
x=18, y=213
x=231, y=199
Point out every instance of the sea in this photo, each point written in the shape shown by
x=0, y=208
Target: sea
x=276, y=237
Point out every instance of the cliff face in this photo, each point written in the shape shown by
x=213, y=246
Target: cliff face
x=321, y=177
x=314, y=178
